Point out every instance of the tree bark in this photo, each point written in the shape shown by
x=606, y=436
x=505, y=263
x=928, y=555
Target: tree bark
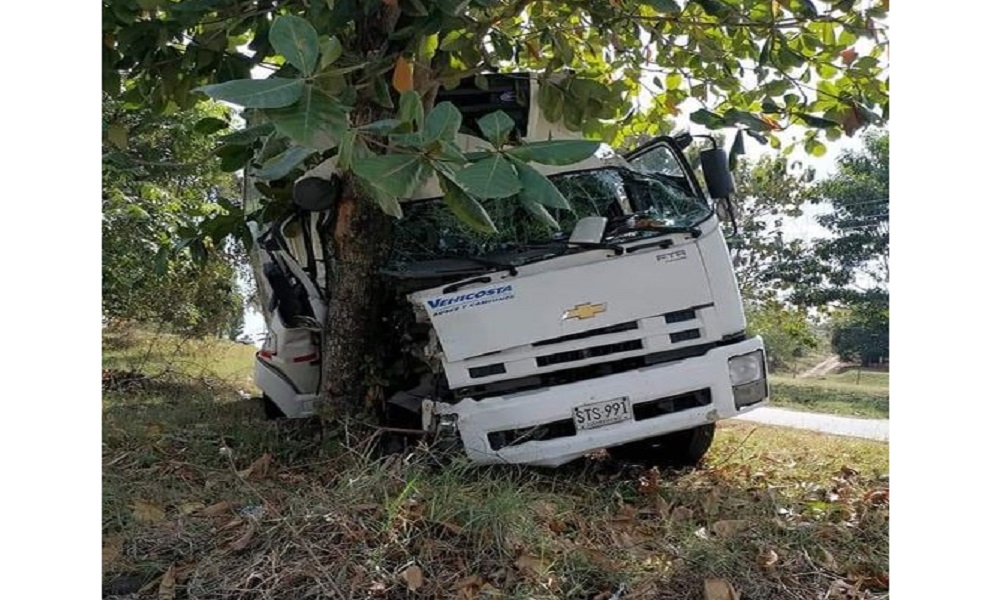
x=359, y=244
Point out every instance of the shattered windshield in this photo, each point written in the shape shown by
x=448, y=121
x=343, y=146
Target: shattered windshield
x=430, y=231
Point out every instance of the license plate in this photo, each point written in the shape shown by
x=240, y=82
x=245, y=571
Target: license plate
x=599, y=414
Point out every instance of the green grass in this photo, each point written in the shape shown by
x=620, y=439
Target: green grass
x=326, y=518
x=834, y=393
x=863, y=377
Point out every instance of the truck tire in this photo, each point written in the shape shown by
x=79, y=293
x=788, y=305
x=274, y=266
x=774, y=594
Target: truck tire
x=271, y=410
x=678, y=449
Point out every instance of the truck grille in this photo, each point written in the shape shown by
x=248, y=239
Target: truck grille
x=629, y=326
x=585, y=353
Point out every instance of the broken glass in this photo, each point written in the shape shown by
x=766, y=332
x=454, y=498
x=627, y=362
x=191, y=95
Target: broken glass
x=637, y=205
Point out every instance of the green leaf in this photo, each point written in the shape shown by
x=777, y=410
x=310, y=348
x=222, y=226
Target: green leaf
x=411, y=109
x=667, y=7
x=256, y=93
x=537, y=188
x=315, y=121
x=715, y=8
x=443, y=122
x=210, y=125
x=465, y=207
x=496, y=127
x=330, y=50
x=452, y=7
x=807, y=9
x=233, y=158
x=396, y=175
x=815, y=148
x=819, y=122
x=381, y=126
x=194, y=5
x=118, y=135
x=248, y=135
x=707, y=118
x=450, y=152
x=282, y=164
x=387, y=202
x=769, y=107
x=346, y=149
x=538, y=211
x=556, y=152
x=492, y=177
x=296, y=39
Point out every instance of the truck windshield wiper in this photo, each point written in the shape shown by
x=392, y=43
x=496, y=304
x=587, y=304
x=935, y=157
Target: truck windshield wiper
x=496, y=264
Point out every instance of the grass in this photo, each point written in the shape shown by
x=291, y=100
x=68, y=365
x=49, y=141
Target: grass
x=830, y=395
x=203, y=498
x=852, y=392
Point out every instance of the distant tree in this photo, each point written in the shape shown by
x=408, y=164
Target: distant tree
x=158, y=187
x=770, y=192
x=786, y=331
x=861, y=334
x=851, y=267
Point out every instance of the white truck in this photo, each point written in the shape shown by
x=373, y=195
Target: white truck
x=622, y=331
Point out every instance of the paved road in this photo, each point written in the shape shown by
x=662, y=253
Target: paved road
x=872, y=429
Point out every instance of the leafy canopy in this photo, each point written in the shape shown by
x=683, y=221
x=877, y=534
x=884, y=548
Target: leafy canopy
x=351, y=78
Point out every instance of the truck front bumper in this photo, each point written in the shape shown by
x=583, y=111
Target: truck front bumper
x=697, y=391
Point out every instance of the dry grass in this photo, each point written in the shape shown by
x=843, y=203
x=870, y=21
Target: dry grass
x=193, y=509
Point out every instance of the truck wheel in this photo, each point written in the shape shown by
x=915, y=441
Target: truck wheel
x=678, y=449
x=271, y=410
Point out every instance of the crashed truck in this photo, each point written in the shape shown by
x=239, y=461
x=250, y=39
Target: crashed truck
x=623, y=331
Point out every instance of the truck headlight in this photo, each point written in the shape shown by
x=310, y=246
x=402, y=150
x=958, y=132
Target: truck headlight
x=448, y=425
x=748, y=375
x=746, y=368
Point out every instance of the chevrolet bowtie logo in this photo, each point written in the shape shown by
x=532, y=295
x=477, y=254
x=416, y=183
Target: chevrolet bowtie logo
x=584, y=311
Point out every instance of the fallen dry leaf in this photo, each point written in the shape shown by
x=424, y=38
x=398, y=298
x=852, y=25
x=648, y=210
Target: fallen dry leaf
x=827, y=561
x=258, y=468
x=111, y=551
x=877, y=496
x=189, y=508
x=147, y=512
x=841, y=590
x=219, y=508
x=681, y=513
x=531, y=565
x=767, y=558
x=469, y=584
x=720, y=589
x=729, y=528
x=661, y=507
x=649, y=482
x=243, y=541
x=168, y=584
x=413, y=577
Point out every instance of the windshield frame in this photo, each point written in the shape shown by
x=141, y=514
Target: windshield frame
x=678, y=153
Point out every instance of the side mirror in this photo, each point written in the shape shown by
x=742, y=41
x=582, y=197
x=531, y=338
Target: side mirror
x=589, y=230
x=315, y=194
x=718, y=177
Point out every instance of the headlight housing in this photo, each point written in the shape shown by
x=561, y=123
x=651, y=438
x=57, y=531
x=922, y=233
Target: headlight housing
x=746, y=368
x=748, y=374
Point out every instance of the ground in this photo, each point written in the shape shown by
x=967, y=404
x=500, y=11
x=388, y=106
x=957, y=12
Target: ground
x=203, y=499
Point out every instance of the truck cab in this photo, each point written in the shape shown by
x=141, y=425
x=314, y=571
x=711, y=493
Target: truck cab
x=622, y=328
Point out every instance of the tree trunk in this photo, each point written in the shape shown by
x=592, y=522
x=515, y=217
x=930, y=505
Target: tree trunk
x=359, y=244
